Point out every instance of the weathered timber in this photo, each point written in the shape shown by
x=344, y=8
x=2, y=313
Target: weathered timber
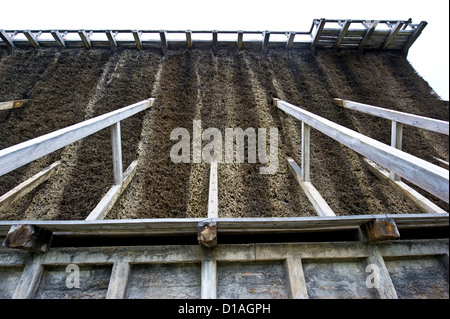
x=207, y=233
x=379, y=229
x=112, y=39
x=58, y=39
x=7, y=39
x=137, y=39
x=27, y=186
x=367, y=36
x=342, y=34
x=85, y=37
x=28, y=237
x=31, y=38
x=12, y=104
x=213, y=197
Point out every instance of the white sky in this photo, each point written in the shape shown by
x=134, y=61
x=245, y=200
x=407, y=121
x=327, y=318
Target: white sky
x=429, y=55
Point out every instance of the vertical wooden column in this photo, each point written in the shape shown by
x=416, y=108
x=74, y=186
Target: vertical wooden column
x=297, y=283
x=306, y=131
x=117, y=153
x=396, y=141
x=119, y=280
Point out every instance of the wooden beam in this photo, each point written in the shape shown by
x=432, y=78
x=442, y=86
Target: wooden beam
x=108, y=201
x=27, y=186
x=215, y=41
x=12, y=104
x=118, y=282
x=427, y=176
x=413, y=37
x=296, y=278
x=240, y=39
x=31, y=38
x=342, y=33
x=400, y=117
x=316, y=38
x=424, y=204
x=265, y=42
x=209, y=275
x=441, y=161
x=367, y=36
x=314, y=197
x=189, y=39
x=379, y=229
x=137, y=39
x=213, y=197
x=112, y=39
x=207, y=233
x=58, y=38
x=28, y=237
x=26, y=152
x=394, y=31
x=7, y=39
x=396, y=141
x=305, y=155
x=117, y=153
x=164, y=44
x=85, y=38
x=290, y=40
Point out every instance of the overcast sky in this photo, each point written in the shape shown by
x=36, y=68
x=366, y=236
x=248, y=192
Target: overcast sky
x=429, y=55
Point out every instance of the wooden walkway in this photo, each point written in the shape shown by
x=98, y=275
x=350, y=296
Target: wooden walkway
x=324, y=33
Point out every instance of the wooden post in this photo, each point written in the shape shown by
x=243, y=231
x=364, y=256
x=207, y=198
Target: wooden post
x=394, y=31
x=215, y=41
x=306, y=132
x=315, y=41
x=342, y=33
x=85, y=38
x=119, y=279
x=296, y=277
x=290, y=40
x=163, y=36
x=137, y=39
x=209, y=275
x=7, y=39
x=367, y=36
x=58, y=38
x=31, y=38
x=117, y=153
x=396, y=141
x=265, y=43
x=213, y=201
x=112, y=39
x=189, y=39
x=28, y=237
x=415, y=34
x=240, y=39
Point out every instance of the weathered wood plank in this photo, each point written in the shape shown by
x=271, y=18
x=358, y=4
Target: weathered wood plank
x=7, y=39
x=395, y=30
x=413, y=37
x=85, y=37
x=396, y=141
x=189, y=39
x=319, y=204
x=163, y=37
x=296, y=278
x=117, y=287
x=290, y=40
x=112, y=39
x=428, y=176
x=422, y=202
x=315, y=41
x=58, y=38
x=26, y=152
x=305, y=154
x=213, y=197
x=265, y=42
x=116, y=141
x=31, y=38
x=108, y=201
x=27, y=186
x=367, y=35
x=29, y=281
x=342, y=33
x=12, y=104
x=426, y=123
x=240, y=39
x=137, y=39
x=209, y=275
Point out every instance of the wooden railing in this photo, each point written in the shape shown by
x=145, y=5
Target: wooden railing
x=427, y=176
x=21, y=154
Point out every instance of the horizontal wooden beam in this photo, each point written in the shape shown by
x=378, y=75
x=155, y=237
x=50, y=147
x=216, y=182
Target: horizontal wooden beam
x=426, y=123
x=427, y=176
x=108, y=201
x=314, y=197
x=12, y=104
x=26, y=152
x=27, y=186
x=424, y=204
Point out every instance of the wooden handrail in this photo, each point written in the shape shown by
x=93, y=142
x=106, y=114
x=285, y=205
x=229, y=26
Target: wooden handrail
x=21, y=154
x=426, y=123
x=428, y=176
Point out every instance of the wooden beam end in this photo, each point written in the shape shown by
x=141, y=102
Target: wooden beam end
x=379, y=229
x=339, y=102
x=275, y=101
x=207, y=233
x=28, y=237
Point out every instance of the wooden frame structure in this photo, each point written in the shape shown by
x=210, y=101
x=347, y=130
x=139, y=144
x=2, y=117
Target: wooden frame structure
x=398, y=119
x=427, y=176
x=324, y=33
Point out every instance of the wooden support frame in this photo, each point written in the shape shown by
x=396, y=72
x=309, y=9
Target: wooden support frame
x=215, y=42
x=394, y=31
x=85, y=37
x=58, y=38
x=208, y=274
x=427, y=176
x=396, y=141
x=112, y=39
x=26, y=152
x=189, y=39
x=367, y=36
x=164, y=43
x=265, y=42
x=314, y=197
x=426, y=123
x=424, y=204
x=137, y=39
x=342, y=33
x=316, y=38
x=413, y=37
x=27, y=186
x=240, y=39
x=7, y=39
x=305, y=154
x=290, y=40
x=213, y=197
x=12, y=104
x=33, y=39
